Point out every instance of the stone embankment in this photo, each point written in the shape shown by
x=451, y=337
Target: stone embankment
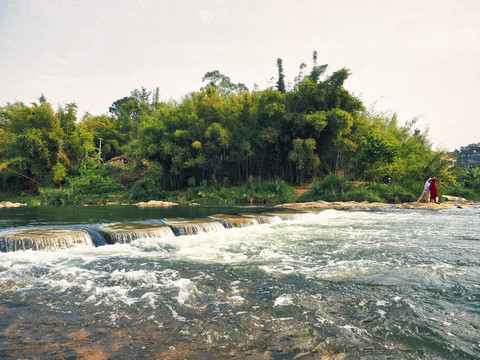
x=451, y=202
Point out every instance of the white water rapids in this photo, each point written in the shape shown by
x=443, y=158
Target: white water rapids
x=337, y=284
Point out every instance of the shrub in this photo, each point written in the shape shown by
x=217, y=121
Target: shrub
x=469, y=194
x=332, y=188
x=98, y=180
x=253, y=192
x=51, y=196
x=471, y=177
x=361, y=194
x=395, y=193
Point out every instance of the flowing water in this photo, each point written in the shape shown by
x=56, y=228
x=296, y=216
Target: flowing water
x=384, y=284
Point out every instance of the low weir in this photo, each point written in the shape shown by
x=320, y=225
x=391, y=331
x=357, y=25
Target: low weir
x=40, y=239
x=264, y=218
x=234, y=221
x=288, y=215
x=127, y=232
x=192, y=227
x=114, y=233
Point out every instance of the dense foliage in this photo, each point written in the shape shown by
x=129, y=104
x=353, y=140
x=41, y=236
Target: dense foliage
x=221, y=136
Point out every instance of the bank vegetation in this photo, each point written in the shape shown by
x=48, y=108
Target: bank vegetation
x=223, y=144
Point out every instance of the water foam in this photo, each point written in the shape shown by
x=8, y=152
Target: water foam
x=376, y=281
x=283, y=300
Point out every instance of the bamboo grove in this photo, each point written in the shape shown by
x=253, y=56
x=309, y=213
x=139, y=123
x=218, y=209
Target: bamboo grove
x=222, y=133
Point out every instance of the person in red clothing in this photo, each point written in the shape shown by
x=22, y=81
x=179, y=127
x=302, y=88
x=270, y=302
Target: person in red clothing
x=434, y=190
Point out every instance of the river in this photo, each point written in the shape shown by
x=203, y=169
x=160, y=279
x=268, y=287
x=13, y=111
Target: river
x=396, y=284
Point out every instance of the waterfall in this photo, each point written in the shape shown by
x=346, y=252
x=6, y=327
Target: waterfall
x=290, y=215
x=264, y=218
x=39, y=239
x=193, y=227
x=128, y=232
x=97, y=236
x=93, y=235
x=235, y=221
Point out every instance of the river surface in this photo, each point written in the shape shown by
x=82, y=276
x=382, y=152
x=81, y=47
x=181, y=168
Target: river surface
x=383, y=284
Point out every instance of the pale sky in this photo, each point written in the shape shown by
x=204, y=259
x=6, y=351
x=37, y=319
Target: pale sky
x=418, y=58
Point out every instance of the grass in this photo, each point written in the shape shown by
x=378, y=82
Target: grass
x=469, y=194
x=252, y=192
x=104, y=184
x=334, y=188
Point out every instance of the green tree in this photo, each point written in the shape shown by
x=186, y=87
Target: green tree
x=222, y=82
x=59, y=173
x=335, y=139
x=375, y=154
x=81, y=150
x=471, y=177
x=281, y=77
x=317, y=70
x=36, y=137
x=129, y=113
x=223, y=132
x=41, y=138
x=305, y=159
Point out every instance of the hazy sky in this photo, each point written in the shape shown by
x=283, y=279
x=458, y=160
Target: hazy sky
x=418, y=58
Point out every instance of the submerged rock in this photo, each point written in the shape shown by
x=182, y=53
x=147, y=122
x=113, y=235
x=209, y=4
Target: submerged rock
x=128, y=232
x=193, y=227
x=156, y=203
x=39, y=239
x=9, y=204
x=453, y=198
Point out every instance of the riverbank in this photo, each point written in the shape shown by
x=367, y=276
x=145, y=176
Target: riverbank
x=253, y=192
x=451, y=202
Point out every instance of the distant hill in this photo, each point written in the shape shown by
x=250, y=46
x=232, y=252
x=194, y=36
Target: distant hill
x=469, y=160
x=468, y=155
